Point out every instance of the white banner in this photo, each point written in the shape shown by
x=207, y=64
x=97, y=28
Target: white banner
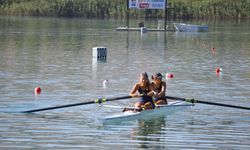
x=147, y=4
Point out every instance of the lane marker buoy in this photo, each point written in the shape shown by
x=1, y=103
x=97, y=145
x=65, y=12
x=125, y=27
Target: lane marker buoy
x=212, y=49
x=169, y=75
x=38, y=90
x=218, y=71
x=105, y=83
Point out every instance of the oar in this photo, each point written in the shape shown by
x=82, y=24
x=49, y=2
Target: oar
x=191, y=100
x=100, y=100
x=124, y=108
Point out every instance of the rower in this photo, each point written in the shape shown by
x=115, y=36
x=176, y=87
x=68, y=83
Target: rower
x=159, y=89
x=143, y=87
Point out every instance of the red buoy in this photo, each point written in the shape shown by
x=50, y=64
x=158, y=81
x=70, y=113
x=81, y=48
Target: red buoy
x=218, y=71
x=37, y=90
x=170, y=75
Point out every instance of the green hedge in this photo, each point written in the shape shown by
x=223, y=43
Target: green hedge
x=185, y=9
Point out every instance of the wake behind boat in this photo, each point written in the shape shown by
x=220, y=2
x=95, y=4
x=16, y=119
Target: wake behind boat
x=162, y=110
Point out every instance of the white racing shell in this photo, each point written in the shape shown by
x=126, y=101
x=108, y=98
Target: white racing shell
x=161, y=110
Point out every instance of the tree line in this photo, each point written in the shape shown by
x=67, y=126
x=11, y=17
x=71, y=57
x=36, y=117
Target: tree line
x=182, y=9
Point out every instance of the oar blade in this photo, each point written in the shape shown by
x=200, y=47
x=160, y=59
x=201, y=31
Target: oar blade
x=57, y=107
x=223, y=105
x=100, y=100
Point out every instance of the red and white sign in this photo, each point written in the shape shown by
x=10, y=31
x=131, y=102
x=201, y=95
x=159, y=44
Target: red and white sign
x=147, y=4
x=143, y=5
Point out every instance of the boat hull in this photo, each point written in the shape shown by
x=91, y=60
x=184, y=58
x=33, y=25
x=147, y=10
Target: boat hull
x=182, y=27
x=146, y=114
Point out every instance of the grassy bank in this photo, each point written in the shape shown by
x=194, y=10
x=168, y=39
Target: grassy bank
x=212, y=9
x=185, y=9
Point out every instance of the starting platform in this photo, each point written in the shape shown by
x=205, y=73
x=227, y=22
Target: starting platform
x=144, y=29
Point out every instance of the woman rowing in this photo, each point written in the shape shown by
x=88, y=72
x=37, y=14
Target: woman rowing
x=143, y=87
x=159, y=89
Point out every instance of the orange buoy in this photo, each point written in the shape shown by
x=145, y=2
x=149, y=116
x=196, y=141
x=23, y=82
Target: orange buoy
x=37, y=90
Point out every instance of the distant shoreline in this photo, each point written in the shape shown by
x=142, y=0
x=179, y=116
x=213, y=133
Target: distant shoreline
x=117, y=9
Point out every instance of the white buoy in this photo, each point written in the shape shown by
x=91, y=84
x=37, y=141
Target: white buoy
x=100, y=53
x=105, y=83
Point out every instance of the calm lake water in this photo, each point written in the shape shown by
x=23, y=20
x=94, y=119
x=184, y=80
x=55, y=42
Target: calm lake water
x=56, y=54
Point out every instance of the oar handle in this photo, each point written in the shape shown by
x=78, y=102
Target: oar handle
x=103, y=100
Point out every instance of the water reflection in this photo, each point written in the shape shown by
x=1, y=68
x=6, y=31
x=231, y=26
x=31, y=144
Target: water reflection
x=148, y=132
x=143, y=133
